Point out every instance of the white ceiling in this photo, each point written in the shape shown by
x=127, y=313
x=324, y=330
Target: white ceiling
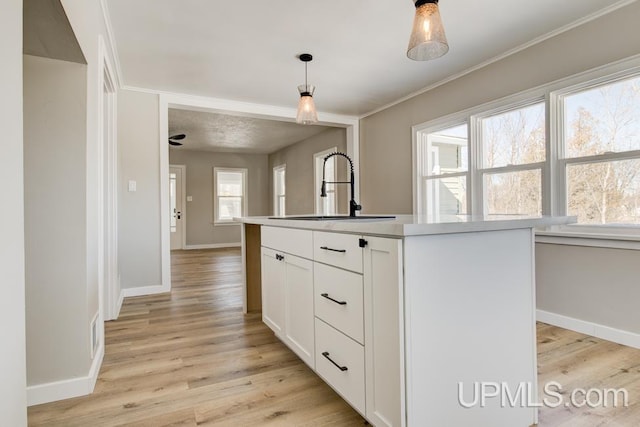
x=246, y=50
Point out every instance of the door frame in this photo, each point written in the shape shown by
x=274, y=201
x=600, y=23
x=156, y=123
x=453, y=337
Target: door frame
x=110, y=296
x=183, y=188
x=351, y=124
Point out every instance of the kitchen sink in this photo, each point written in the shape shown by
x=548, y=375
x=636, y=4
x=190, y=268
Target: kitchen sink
x=332, y=217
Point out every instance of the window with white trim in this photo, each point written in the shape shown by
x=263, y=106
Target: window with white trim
x=230, y=189
x=325, y=205
x=571, y=147
x=444, y=157
x=279, y=190
x=599, y=152
x=513, y=157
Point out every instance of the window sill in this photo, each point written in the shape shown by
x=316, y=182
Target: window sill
x=226, y=223
x=599, y=237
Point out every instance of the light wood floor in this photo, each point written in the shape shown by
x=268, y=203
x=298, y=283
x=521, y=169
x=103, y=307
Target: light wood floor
x=191, y=358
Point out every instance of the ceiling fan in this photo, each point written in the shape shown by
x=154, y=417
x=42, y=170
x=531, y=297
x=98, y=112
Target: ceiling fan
x=173, y=140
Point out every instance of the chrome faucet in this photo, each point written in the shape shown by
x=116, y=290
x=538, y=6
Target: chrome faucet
x=353, y=206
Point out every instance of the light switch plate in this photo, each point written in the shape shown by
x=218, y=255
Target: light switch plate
x=132, y=185
x=189, y=198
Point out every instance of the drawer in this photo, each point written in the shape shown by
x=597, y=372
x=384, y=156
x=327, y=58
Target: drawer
x=341, y=250
x=290, y=240
x=345, y=371
x=338, y=299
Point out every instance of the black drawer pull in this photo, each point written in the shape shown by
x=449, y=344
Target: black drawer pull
x=333, y=250
x=279, y=257
x=342, y=368
x=334, y=300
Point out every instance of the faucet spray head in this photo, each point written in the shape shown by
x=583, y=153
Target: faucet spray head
x=323, y=189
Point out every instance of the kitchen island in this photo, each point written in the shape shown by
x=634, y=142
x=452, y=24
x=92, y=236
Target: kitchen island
x=413, y=320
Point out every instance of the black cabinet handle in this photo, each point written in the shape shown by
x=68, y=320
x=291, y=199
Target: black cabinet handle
x=333, y=250
x=279, y=257
x=336, y=301
x=342, y=368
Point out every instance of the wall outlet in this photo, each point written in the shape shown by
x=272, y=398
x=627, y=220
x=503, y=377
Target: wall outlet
x=132, y=185
x=189, y=198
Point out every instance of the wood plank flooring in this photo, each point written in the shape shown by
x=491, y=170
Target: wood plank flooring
x=192, y=358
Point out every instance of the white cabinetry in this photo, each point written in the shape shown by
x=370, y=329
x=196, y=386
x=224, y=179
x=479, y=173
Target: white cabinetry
x=352, y=286
x=287, y=292
x=384, y=336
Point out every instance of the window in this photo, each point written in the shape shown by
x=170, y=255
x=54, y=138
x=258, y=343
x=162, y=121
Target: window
x=445, y=168
x=230, y=188
x=600, y=152
x=569, y=148
x=325, y=205
x=279, y=190
x=513, y=156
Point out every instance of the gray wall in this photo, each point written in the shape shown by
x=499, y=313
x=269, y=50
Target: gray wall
x=597, y=285
x=12, y=310
x=385, y=137
x=199, y=183
x=590, y=284
x=55, y=134
x=299, y=178
x=138, y=212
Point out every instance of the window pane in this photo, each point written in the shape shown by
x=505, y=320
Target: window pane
x=229, y=207
x=515, y=193
x=514, y=138
x=447, y=151
x=229, y=183
x=606, y=118
x=604, y=193
x=447, y=196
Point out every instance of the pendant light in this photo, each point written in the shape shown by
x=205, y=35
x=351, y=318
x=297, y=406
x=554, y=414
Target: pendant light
x=428, y=40
x=307, y=113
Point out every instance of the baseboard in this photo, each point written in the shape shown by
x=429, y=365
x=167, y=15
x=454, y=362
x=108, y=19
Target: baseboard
x=144, y=290
x=213, y=246
x=619, y=336
x=66, y=389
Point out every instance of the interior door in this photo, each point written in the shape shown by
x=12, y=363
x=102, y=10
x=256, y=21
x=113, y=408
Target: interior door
x=175, y=197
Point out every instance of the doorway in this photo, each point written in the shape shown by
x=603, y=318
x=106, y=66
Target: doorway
x=177, y=224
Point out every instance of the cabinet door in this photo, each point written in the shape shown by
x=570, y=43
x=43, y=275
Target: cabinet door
x=273, y=291
x=298, y=300
x=384, y=336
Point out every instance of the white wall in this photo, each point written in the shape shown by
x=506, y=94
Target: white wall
x=55, y=94
x=139, y=211
x=13, y=400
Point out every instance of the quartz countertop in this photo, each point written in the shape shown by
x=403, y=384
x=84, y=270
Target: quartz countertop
x=414, y=225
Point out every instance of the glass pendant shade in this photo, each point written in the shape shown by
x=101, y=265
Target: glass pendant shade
x=307, y=113
x=428, y=40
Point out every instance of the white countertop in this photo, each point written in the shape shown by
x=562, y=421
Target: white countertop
x=414, y=225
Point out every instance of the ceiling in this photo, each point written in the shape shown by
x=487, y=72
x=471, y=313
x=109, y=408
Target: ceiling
x=246, y=50
x=226, y=133
x=47, y=32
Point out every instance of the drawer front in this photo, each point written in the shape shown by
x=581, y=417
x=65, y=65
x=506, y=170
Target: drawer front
x=341, y=250
x=338, y=299
x=290, y=240
x=345, y=371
